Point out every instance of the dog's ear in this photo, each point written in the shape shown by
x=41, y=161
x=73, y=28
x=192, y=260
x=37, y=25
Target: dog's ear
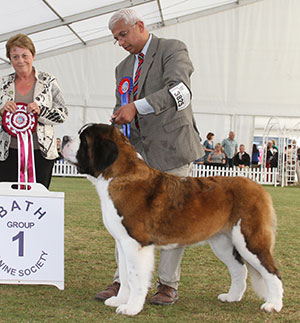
x=105, y=153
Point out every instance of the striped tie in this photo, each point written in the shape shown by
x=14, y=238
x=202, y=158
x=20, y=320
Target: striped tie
x=137, y=75
x=136, y=83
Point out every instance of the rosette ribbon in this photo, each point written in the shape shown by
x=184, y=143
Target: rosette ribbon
x=125, y=88
x=21, y=125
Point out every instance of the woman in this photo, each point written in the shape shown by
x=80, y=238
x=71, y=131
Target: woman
x=208, y=145
x=40, y=91
x=217, y=157
x=255, y=155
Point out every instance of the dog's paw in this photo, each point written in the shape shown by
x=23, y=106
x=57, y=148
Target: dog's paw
x=114, y=301
x=271, y=307
x=129, y=309
x=229, y=298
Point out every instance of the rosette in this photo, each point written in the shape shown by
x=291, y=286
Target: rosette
x=21, y=125
x=125, y=88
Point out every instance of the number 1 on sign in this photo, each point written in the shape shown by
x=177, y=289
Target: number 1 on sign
x=20, y=237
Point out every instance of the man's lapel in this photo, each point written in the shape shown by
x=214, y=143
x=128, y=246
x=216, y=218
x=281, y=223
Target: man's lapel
x=148, y=62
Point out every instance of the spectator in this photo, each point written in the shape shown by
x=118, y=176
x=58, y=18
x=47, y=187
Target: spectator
x=242, y=159
x=274, y=145
x=230, y=147
x=58, y=145
x=255, y=155
x=298, y=165
x=217, y=157
x=208, y=145
x=272, y=155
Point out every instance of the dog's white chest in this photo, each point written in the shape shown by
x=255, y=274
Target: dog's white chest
x=111, y=219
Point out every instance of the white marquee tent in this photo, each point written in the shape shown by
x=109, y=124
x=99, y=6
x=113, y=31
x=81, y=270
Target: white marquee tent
x=246, y=55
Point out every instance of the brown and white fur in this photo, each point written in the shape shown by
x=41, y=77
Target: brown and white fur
x=143, y=208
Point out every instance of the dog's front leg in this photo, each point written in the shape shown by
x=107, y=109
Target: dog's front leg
x=139, y=266
x=123, y=294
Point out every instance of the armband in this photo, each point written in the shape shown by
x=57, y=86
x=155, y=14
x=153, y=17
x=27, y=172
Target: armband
x=181, y=95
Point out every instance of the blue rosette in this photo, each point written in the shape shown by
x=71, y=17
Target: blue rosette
x=124, y=89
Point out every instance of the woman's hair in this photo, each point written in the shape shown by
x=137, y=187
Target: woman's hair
x=19, y=40
x=209, y=135
x=254, y=148
x=129, y=16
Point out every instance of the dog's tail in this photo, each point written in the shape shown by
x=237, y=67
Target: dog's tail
x=257, y=281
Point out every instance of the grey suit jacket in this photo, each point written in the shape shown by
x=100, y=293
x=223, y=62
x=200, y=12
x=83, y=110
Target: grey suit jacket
x=167, y=138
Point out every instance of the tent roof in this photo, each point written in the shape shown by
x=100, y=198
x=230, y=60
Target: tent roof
x=58, y=26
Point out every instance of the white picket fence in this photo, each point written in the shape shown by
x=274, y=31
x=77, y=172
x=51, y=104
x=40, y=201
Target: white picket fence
x=62, y=168
x=259, y=175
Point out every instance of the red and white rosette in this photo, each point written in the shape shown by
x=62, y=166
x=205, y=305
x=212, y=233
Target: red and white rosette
x=21, y=125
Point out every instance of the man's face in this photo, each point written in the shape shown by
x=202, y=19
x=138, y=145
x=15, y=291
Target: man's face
x=242, y=149
x=128, y=36
x=231, y=135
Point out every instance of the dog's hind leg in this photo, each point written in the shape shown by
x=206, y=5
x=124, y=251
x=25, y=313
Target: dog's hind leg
x=267, y=269
x=139, y=266
x=223, y=248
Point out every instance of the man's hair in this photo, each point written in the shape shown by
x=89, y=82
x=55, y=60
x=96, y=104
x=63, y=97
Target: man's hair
x=129, y=16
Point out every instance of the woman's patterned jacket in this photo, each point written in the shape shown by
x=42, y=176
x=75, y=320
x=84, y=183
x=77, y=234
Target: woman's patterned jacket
x=48, y=96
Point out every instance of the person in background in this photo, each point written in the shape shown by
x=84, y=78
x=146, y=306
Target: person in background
x=274, y=145
x=58, y=143
x=255, y=155
x=40, y=91
x=298, y=165
x=208, y=145
x=162, y=126
x=272, y=156
x=217, y=157
x=242, y=159
x=230, y=147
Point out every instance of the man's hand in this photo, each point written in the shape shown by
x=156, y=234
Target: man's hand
x=125, y=114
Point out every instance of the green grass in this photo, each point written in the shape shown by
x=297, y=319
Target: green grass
x=90, y=264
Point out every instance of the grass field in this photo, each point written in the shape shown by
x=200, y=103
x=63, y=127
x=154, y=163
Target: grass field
x=89, y=266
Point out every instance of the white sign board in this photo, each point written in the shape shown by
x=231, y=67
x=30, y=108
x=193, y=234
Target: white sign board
x=31, y=236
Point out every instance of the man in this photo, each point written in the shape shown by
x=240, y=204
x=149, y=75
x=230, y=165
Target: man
x=230, y=147
x=162, y=126
x=242, y=159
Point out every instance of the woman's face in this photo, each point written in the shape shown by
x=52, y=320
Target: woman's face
x=21, y=60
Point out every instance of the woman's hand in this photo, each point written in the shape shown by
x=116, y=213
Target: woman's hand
x=9, y=106
x=34, y=108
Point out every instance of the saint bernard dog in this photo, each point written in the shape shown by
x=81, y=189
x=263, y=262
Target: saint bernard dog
x=144, y=208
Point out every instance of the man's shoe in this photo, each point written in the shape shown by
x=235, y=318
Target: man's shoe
x=165, y=295
x=111, y=290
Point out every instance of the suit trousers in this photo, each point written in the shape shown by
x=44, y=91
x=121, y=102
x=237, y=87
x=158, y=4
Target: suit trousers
x=169, y=260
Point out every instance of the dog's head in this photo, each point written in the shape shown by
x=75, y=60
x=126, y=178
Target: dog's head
x=93, y=150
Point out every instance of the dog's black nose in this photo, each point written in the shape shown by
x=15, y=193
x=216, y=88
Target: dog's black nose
x=65, y=140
